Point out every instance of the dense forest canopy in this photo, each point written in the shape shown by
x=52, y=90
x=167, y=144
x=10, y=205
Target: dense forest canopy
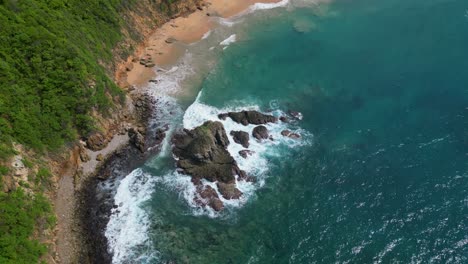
x=50, y=78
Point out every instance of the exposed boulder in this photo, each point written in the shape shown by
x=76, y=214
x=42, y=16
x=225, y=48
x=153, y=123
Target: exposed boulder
x=294, y=136
x=284, y=119
x=96, y=141
x=260, y=132
x=209, y=196
x=245, y=152
x=229, y=190
x=137, y=139
x=84, y=157
x=296, y=115
x=99, y=157
x=241, y=137
x=202, y=153
x=249, y=117
x=160, y=134
x=288, y=133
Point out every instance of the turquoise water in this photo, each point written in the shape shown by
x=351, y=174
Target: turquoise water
x=383, y=87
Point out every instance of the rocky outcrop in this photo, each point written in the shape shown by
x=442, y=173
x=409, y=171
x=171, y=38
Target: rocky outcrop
x=260, y=132
x=96, y=141
x=137, y=139
x=202, y=153
x=249, y=117
x=241, y=137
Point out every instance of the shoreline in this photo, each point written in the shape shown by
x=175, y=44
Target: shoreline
x=81, y=218
x=167, y=44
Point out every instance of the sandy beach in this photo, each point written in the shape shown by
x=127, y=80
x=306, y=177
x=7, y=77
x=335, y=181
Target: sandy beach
x=166, y=44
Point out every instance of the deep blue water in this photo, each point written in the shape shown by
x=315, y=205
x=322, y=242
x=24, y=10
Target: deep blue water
x=383, y=87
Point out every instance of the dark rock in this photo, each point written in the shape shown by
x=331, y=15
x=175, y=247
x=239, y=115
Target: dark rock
x=249, y=117
x=160, y=135
x=150, y=65
x=229, y=190
x=241, y=137
x=260, y=132
x=290, y=134
x=208, y=192
x=202, y=153
x=223, y=116
x=245, y=152
x=208, y=196
x=296, y=115
x=284, y=119
x=216, y=204
x=294, y=136
x=137, y=139
x=153, y=81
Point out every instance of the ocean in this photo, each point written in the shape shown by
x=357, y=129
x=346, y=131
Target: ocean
x=380, y=174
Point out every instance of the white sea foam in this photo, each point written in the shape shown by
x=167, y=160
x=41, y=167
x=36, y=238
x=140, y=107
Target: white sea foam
x=263, y=6
x=206, y=35
x=128, y=224
x=231, y=39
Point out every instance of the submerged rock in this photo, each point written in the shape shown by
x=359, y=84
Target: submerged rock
x=260, y=132
x=241, y=137
x=202, y=153
x=249, y=117
x=296, y=115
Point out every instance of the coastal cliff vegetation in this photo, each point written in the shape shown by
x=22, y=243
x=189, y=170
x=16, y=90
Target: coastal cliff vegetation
x=57, y=59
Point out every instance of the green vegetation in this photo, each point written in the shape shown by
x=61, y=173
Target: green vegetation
x=52, y=77
x=43, y=178
x=19, y=214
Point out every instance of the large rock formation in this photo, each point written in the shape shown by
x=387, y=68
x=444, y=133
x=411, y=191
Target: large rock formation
x=202, y=153
x=249, y=117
